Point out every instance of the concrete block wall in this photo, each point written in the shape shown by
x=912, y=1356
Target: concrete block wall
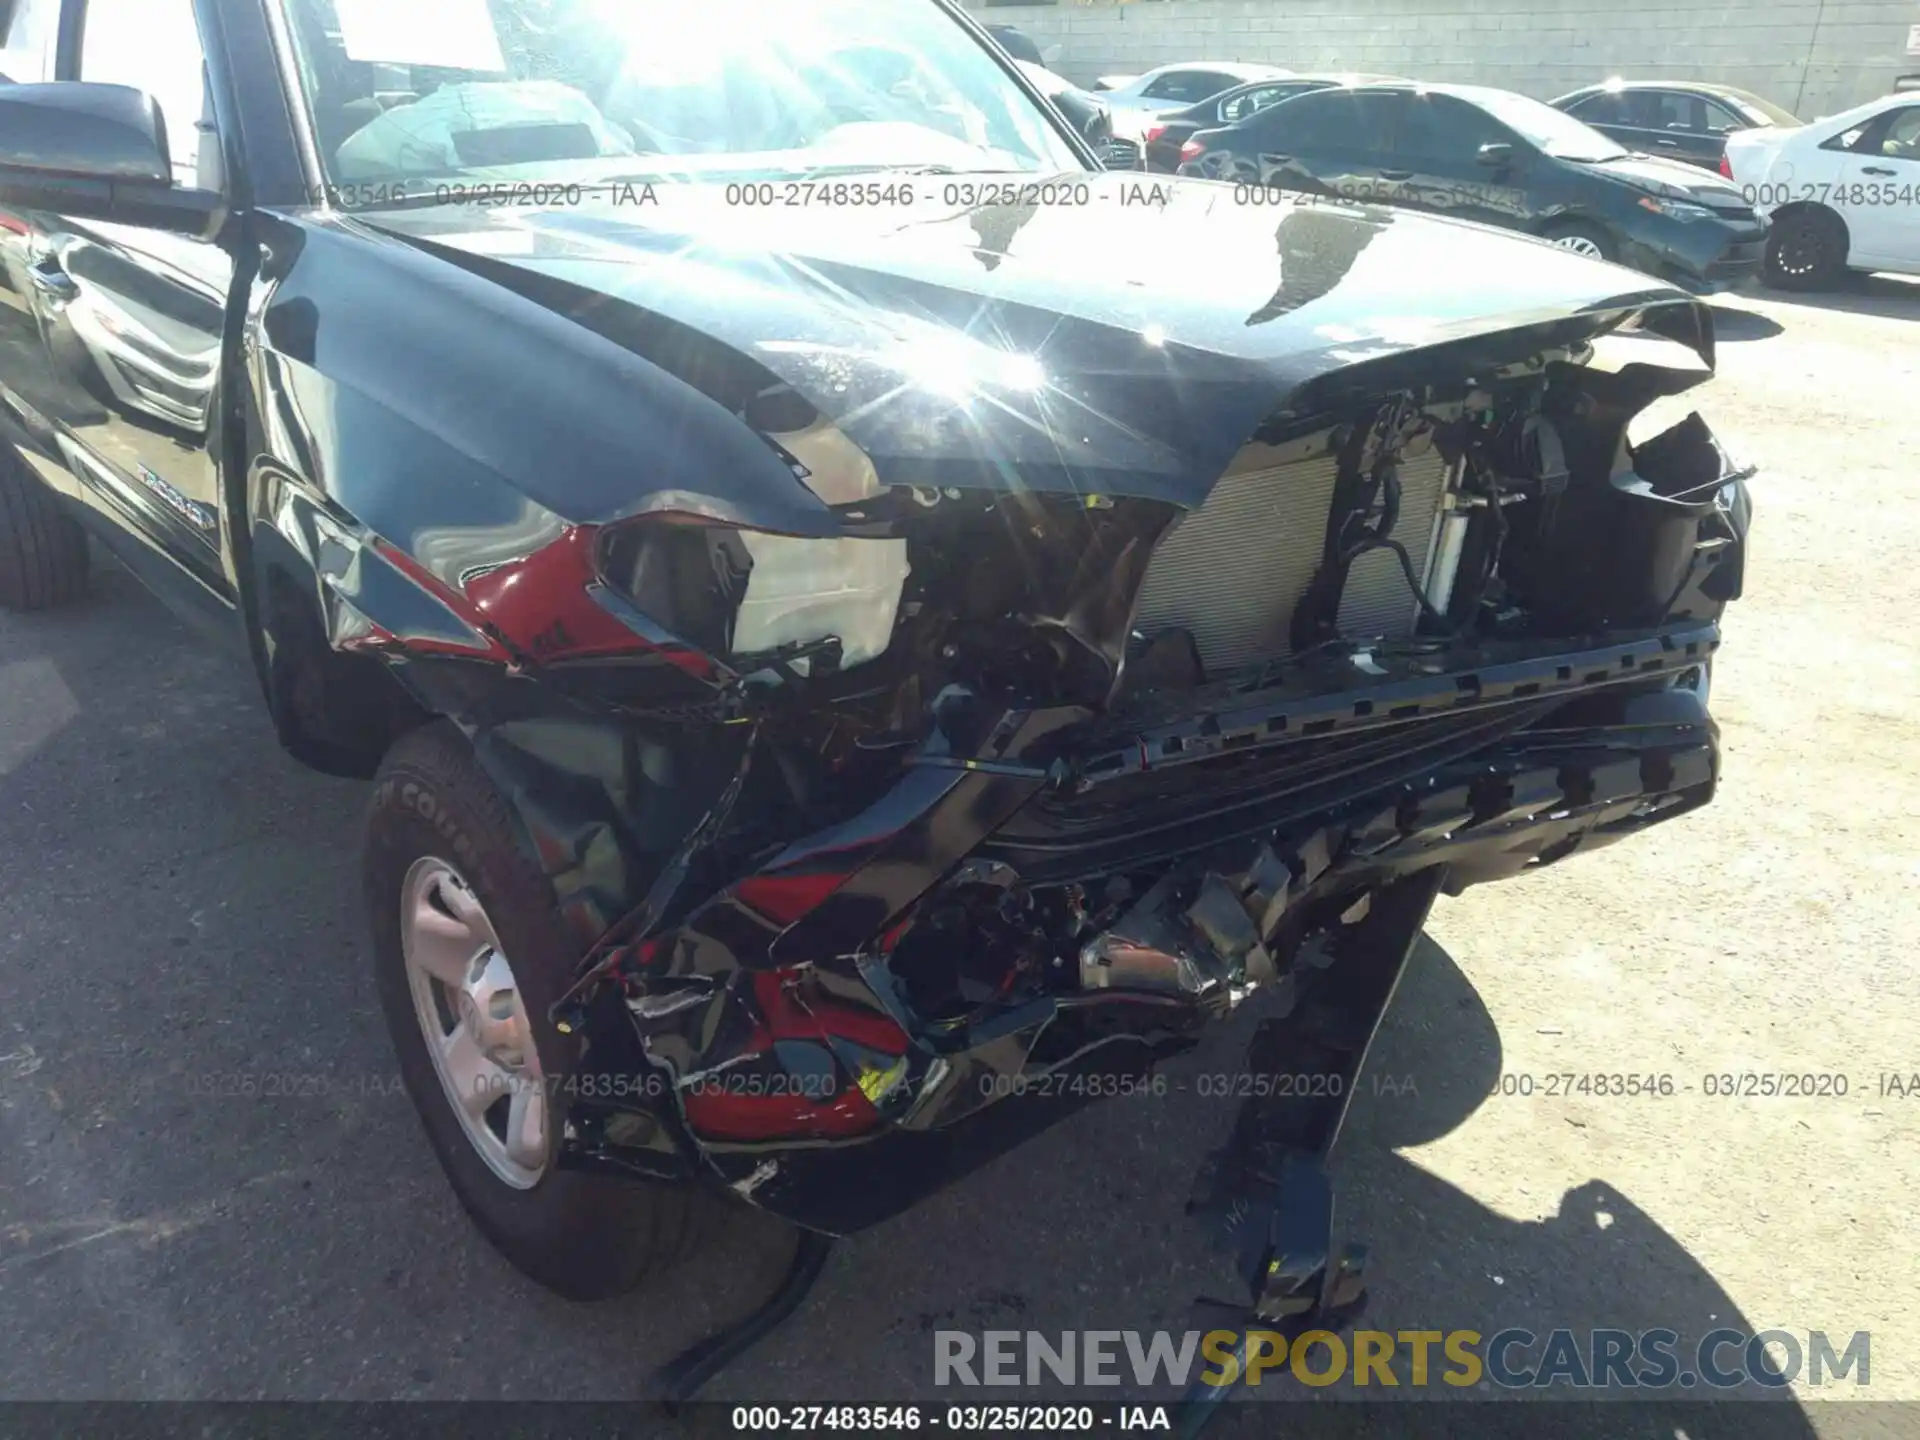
x=1812, y=56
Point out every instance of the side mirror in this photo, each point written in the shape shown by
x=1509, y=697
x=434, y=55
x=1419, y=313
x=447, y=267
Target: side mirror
x=1098, y=126
x=1496, y=156
x=98, y=152
x=1087, y=115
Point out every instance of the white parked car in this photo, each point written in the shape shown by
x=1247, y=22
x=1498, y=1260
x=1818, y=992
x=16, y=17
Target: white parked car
x=1842, y=193
x=1132, y=99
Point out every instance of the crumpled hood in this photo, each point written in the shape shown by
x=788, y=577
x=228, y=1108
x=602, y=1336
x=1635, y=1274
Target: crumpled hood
x=1125, y=335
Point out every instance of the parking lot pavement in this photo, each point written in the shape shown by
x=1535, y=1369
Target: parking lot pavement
x=179, y=906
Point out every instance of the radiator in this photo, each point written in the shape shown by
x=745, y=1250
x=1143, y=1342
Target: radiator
x=1233, y=571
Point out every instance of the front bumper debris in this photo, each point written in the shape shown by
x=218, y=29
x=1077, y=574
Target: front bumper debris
x=1265, y=1195
x=779, y=1040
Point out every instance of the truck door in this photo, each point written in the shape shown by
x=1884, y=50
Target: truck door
x=131, y=319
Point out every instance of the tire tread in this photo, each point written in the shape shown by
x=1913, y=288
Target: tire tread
x=43, y=550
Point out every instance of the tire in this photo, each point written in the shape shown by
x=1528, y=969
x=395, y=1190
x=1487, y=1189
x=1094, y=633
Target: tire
x=1806, y=250
x=43, y=550
x=584, y=1236
x=1581, y=238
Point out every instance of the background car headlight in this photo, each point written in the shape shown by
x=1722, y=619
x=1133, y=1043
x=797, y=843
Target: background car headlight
x=1675, y=209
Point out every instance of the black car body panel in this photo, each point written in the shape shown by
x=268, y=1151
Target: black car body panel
x=1398, y=146
x=508, y=465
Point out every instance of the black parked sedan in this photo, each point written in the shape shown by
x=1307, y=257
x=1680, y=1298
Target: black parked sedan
x=1682, y=120
x=1163, y=137
x=1499, y=158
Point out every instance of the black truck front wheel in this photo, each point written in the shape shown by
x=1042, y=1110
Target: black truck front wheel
x=469, y=955
x=43, y=550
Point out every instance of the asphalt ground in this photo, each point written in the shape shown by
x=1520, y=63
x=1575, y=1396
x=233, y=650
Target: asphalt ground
x=178, y=902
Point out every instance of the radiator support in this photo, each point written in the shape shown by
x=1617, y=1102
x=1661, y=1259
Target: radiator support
x=1233, y=572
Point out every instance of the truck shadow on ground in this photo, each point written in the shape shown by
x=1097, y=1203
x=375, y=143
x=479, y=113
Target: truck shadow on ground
x=1733, y=324
x=181, y=914
x=1097, y=1211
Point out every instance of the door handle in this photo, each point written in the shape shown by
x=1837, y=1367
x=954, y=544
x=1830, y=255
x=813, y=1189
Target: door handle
x=50, y=280
x=1396, y=174
x=1667, y=144
x=1878, y=170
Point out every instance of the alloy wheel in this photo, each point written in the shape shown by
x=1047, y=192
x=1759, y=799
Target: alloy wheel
x=474, y=1020
x=1581, y=245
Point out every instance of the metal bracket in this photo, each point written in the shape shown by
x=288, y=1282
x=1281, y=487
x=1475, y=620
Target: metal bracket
x=683, y=1377
x=1266, y=1193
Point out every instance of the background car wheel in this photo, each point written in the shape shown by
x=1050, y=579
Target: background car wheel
x=469, y=954
x=43, y=550
x=1582, y=239
x=1806, y=250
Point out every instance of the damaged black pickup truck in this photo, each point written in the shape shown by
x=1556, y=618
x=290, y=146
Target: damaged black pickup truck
x=856, y=616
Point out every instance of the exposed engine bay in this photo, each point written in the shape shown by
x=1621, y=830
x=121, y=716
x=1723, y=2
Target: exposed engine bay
x=1017, y=782
x=1453, y=513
